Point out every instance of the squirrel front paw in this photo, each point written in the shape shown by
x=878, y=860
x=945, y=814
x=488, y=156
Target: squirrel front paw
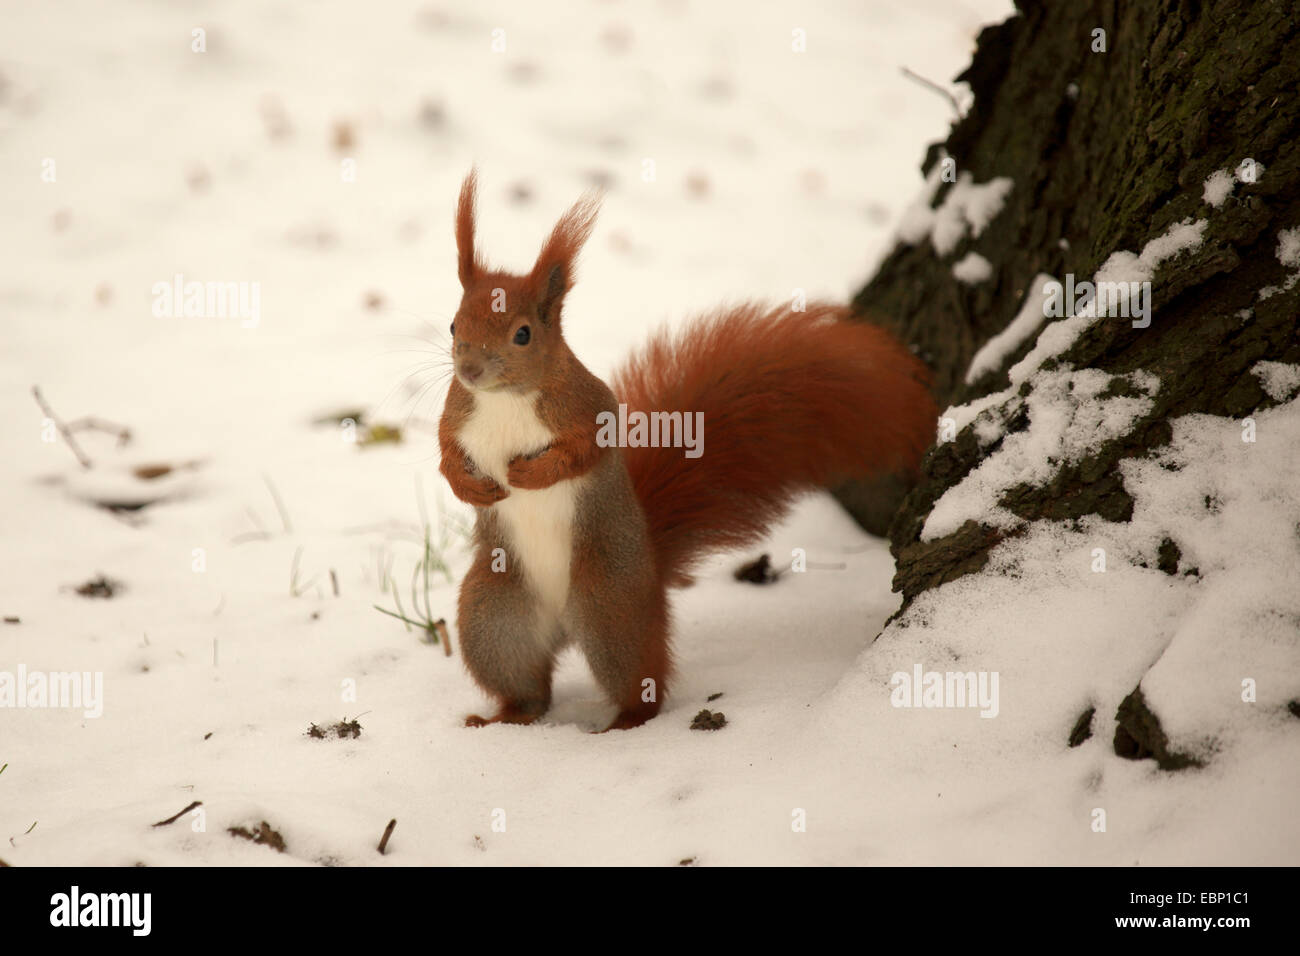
x=531, y=474
x=482, y=492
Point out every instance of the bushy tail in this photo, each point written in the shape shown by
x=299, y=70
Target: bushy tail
x=791, y=401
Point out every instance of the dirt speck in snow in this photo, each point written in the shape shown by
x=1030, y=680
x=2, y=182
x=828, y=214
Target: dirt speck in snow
x=263, y=834
x=709, y=720
x=100, y=587
x=341, y=729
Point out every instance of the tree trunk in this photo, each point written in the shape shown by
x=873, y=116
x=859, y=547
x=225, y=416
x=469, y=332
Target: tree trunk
x=1107, y=151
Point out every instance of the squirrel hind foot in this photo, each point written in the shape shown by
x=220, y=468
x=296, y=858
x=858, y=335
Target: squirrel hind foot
x=507, y=715
x=628, y=719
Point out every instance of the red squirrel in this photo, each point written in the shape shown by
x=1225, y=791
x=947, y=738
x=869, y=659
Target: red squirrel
x=577, y=540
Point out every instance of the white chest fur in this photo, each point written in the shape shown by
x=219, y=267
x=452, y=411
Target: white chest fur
x=538, y=524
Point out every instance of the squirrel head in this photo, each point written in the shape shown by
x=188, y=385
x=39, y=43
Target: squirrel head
x=506, y=333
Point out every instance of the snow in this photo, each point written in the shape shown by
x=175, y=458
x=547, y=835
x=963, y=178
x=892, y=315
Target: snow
x=1288, y=247
x=1278, y=379
x=216, y=657
x=1072, y=616
x=997, y=350
x=1231, y=505
x=1121, y=266
x=967, y=208
x=1054, y=340
x=981, y=203
x=1063, y=636
x=1218, y=186
x=972, y=269
x=918, y=219
x=1288, y=253
x=1069, y=416
x=983, y=411
x=1185, y=236
x=1249, y=171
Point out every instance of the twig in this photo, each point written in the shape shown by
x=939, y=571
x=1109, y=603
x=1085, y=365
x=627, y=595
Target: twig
x=279, y=504
x=98, y=424
x=384, y=564
x=261, y=534
x=859, y=550
x=294, y=589
x=173, y=819
x=251, y=536
x=440, y=626
x=946, y=94
x=63, y=429
x=388, y=831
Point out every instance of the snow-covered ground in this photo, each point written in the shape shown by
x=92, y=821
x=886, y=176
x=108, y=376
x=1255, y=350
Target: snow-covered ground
x=315, y=149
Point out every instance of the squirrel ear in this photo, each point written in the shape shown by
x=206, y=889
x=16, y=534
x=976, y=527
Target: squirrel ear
x=552, y=276
x=467, y=263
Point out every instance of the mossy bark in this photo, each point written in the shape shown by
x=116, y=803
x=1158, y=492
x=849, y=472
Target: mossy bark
x=1183, y=89
x=1107, y=150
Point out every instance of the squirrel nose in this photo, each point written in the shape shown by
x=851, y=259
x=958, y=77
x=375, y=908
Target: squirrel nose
x=471, y=370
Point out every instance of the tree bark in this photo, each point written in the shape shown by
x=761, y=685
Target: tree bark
x=1107, y=150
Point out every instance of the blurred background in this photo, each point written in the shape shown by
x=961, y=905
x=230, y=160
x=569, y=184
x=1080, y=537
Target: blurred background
x=772, y=170
x=243, y=530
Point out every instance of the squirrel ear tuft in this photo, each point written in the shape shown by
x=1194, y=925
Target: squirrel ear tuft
x=552, y=276
x=467, y=263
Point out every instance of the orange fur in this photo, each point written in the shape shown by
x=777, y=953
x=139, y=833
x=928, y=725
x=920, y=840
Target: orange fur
x=790, y=402
x=467, y=264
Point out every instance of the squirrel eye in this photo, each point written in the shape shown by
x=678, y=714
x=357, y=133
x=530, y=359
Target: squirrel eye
x=453, y=330
x=523, y=335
